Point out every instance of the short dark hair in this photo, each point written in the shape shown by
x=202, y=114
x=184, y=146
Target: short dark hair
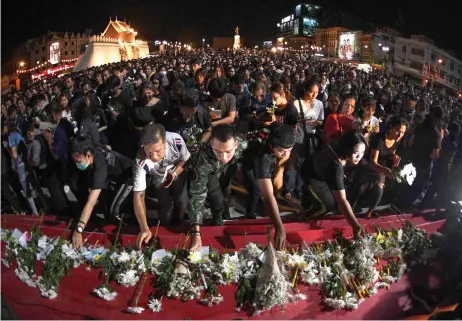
x=238, y=79
x=55, y=108
x=83, y=144
x=281, y=135
x=153, y=133
x=189, y=98
x=217, y=88
x=223, y=133
x=396, y=121
x=112, y=82
x=345, y=144
x=277, y=87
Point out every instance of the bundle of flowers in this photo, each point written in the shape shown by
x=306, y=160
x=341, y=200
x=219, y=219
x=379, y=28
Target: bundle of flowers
x=194, y=141
x=273, y=288
x=405, y=174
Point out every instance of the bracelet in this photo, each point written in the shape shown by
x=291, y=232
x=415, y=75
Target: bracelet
x=195, y=233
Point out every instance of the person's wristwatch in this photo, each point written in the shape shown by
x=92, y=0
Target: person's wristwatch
x=79, y=229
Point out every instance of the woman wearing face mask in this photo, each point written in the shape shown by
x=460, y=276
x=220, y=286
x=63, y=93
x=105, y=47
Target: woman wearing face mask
x=323, y=176
x=341, y=121
x=99, y=171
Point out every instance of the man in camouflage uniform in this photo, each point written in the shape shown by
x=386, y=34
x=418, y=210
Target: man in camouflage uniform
x=213, y=171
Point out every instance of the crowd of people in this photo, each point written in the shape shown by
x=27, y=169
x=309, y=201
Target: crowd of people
x=181, y=128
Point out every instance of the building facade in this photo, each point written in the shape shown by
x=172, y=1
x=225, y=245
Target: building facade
x=302, y=22
x=420, y=59
x=51, y=48
x=327, y=39
x=117, y=43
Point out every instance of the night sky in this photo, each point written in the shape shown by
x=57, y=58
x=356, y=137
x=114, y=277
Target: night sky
x=176, y=19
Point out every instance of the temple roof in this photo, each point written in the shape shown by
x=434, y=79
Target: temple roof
x=119, y=26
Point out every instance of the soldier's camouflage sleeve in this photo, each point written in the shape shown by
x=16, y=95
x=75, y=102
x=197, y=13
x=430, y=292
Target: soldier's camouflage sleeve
x=198, y=189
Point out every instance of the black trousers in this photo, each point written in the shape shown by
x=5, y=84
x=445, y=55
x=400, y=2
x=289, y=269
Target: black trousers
x=253, y=191
x=318, y=198
x=219, y=194
x=365, y=189
x=8, y=195
x=171, y=202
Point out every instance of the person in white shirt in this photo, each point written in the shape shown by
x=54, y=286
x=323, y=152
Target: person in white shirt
x=311, y=115
x=159, y=167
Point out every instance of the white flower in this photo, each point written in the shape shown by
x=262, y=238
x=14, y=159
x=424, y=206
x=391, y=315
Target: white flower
x=253, y=250
x=123, y=257
x=68, y=252
x=209, y=301
x=400, y=235
x=47, y=293
x=135, y=309
x=155, y=305
x=23, y=276
x=127, y=279
x=195, y=257
x=5, y=262
x=135, y=254
x=104, y=293
x=336, y=304
x=295, y=260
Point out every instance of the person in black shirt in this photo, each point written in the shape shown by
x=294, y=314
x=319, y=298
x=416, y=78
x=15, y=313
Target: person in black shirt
x=425, y=144
x=323, y=175
x=194, y=120
x=261, y=163
x=116, y=95
x=369, y=178
x=284, y=112
x=95, y=168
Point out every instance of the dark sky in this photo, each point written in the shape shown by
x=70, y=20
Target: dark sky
x=167, y=19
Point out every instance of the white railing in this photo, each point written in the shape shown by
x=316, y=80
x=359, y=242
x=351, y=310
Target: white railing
x=97, y=38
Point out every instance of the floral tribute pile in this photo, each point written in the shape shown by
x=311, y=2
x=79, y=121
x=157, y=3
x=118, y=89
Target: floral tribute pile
x=346, y=271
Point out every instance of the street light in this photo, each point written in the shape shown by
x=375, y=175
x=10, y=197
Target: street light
x=440, y=61
x=22, y=64
x=365, y=46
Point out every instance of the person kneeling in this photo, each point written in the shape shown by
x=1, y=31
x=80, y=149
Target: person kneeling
x=323, y=176
x=98, y=171
x=263, y=168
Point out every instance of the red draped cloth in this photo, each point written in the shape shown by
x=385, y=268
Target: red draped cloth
x=76, y=301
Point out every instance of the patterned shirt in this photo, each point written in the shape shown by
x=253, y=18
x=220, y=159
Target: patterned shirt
x=175, y=151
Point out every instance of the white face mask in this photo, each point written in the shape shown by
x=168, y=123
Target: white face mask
x=162, y=73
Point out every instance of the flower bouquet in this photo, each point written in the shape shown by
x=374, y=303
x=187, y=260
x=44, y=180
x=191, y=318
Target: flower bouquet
x=270, y=112
x=194, y=141
x=405, y=174
x=272, y=288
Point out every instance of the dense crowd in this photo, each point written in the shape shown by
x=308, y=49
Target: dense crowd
x=180, y=129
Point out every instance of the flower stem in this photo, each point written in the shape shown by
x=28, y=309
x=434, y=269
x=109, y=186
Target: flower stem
x=118, y=230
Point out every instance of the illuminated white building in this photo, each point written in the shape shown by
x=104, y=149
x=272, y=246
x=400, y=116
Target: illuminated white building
x=420, y=59
x=117, y=43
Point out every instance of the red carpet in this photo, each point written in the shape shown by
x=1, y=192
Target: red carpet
x=76, y=301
